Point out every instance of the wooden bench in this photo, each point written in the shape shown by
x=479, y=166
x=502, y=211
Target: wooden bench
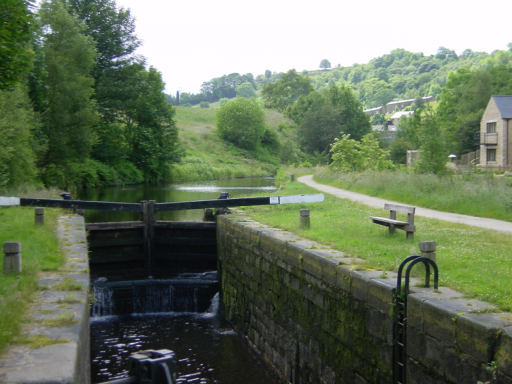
x=393, y=223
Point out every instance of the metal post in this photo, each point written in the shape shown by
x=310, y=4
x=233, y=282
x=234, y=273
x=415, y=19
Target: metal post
x=39, y=216
x=428, y=249
x=304, y=219
x=12, y=257
x=148, y=212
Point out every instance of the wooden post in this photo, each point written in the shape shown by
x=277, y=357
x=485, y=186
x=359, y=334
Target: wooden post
x=428, y=250
x=12, y=257
x=148, y=212
x=39, y=216
x=292, y=177
x=304, y=219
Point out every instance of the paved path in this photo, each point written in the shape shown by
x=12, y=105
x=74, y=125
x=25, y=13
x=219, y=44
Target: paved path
x=497, y=225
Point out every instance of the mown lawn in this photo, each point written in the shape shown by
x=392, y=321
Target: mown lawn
x=474, y=261
x=39, y=250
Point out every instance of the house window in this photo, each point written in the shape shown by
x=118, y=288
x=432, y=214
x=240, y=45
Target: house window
x=491, y=127
x=491, y=155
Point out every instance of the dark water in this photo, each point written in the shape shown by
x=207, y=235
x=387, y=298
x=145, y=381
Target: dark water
x=167, y=192
x=206, y=348
x=206, y=351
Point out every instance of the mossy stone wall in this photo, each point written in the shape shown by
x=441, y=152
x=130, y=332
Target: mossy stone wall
x=317, y=316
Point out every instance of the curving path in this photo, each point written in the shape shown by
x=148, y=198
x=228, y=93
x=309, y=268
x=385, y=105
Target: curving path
x=481, y=222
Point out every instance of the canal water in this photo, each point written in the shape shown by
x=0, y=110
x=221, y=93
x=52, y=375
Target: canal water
x=166, y=192
x=207, y=349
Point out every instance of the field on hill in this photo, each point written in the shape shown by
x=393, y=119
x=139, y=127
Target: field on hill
x=206, y=156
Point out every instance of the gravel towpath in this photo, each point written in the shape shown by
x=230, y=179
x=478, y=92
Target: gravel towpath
x=481, y=222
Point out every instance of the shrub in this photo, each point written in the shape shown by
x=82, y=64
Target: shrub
x=242, y=122
x=204, y=104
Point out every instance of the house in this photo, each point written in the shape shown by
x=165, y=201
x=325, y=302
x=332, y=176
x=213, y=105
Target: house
x=496, y=133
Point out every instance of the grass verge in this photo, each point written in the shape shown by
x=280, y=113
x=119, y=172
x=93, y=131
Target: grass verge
x=39, y=250
x=474, y=261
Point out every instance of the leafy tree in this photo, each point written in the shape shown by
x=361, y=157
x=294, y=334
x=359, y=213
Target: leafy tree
x=17, y=159
x=322, y=116
x=242, y=122
x=112, y=29
x=15, y=41
x=245, y=90
x=325, y=64
x=69, y=58
x=285, y=91
x=433, y=156
x=151, y=128
x=349, y=155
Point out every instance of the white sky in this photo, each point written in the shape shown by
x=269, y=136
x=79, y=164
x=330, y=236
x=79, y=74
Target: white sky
x=192, y=41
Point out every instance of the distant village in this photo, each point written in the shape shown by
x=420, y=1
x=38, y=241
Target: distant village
x=397, y=109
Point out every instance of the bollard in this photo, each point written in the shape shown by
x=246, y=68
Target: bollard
x=428, y=250
x=208, y=215
x=12, y=257
x=39, y=216
x=304, y=219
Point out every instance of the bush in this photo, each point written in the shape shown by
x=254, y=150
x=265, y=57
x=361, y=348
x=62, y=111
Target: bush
x=242, y=122
x=204, y=104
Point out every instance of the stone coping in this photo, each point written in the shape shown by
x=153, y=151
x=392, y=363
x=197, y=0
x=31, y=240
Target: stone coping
x=58, y=317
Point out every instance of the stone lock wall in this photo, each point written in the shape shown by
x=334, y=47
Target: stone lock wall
x=317, y=317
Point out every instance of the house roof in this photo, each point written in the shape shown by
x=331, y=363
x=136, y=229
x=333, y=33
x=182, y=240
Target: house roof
x=504, y=104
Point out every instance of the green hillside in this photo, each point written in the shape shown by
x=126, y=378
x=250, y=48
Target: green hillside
x=207, y=156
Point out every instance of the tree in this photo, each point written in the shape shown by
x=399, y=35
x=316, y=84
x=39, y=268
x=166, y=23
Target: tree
x=152, y=135
x=242, y=122
x=323, y=116
x=112, y=29
x=325, y=64
x=433, y=155
x=245, y=90
x=285, y=91
x=15, y=41
x=17, y=159
x=353, y=156
x=69, y=58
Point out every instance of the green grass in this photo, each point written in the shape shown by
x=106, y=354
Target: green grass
x=483, y=195
x=208, y=157
x=474, y=261
x=39, y=251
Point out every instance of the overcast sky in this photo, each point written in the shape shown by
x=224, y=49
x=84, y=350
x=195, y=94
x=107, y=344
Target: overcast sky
x=192, y=41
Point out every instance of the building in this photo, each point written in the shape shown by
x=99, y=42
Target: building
x=496, y=133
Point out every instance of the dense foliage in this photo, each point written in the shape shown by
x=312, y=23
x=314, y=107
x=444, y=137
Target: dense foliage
x=242, y=122
x=322, y=116
x=79, y=108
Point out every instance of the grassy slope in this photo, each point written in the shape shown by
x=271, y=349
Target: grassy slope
x=209, y=157
x=471, y=260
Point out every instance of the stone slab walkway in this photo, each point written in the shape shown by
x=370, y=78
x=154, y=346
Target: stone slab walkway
x=481, y=222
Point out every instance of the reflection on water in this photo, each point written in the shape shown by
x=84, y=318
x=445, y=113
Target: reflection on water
x=207, y=352
x=167, y=192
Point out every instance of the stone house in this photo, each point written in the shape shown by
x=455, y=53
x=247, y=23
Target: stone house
x=496, y=133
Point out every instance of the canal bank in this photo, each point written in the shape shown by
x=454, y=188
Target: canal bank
x=54, y=344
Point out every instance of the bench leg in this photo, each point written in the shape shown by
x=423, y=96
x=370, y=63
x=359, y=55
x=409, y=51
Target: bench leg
x=391, y=228
x=409, y=235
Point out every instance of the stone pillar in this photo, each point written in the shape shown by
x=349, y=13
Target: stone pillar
x=39, y=216
x=304, y=219
x=428, y=250
x=12, y=257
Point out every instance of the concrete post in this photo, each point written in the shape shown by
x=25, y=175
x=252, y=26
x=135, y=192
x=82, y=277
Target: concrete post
x=39, y=216
x=304, y=219
x=12, y=257
x=428, y=250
